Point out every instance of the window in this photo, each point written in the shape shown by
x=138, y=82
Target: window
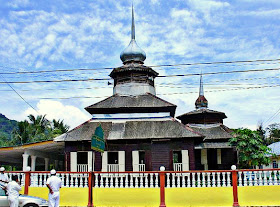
x=82, y=157
x=141, y=157
x=274, y=164
x=113, y=158
x=177, y=157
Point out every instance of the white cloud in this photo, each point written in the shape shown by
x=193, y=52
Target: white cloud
x=18, y=3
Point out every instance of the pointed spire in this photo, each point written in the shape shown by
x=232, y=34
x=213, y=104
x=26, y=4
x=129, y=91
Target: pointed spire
x=201, y=92
x=133, y=53
x=201, y=101
x=132, y=25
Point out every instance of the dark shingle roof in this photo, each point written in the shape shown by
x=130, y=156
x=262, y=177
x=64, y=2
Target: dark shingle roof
x=131, y=129
x=212, y=131
x=203, y=110
x=147, y=103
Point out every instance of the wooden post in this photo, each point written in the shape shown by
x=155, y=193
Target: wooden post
x=27, y=182
x=162, y=187
x=90, y=203
x=234, y=186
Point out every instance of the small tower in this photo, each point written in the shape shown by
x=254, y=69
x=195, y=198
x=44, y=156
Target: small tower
x=133, y=78
x=201, y=114
x=201, y=101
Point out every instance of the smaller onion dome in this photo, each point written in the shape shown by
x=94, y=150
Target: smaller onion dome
x=133, y=52
x=201, y=102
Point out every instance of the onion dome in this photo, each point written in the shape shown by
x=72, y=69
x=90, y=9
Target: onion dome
x=133, y=53
x=201, y=101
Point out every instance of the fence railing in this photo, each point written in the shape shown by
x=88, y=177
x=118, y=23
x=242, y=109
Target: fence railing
x=39, y=179
x=258, y=177
x=198, y=179
x=146, y=179
x=142, y=167
x=82, y=167
x=177, y=166
x=126, y=180
x=113, y=167
x=155, y=179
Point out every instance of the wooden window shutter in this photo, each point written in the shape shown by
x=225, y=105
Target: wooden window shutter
x=121, y=161
x=185, y=160
x=73, y=161
x=104, y=161
x=135, y=161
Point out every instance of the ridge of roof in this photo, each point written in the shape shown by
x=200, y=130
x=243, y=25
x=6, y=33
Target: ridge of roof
x=202, y=111
x=132, y=130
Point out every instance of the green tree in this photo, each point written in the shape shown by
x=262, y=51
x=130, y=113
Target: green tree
x=251, y=148
x=37, y=129
x=4, y=141
x=273, y=131
x=59, y=125
x=22, y=133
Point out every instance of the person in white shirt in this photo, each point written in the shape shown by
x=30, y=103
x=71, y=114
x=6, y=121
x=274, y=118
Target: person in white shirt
x=4, y=180
x=13, y=189
x=54, y=184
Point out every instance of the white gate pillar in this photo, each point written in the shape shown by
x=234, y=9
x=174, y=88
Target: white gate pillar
x=25, y=161
x=33, y=162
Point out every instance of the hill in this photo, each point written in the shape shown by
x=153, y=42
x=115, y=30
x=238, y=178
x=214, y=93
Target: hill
x=6, y=126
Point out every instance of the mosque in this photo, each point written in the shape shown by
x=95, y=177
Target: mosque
x=140, y=130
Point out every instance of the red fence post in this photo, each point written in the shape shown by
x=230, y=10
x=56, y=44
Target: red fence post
x=234, y=186
x=90, y=203
x=162, y=187
x=27, y=182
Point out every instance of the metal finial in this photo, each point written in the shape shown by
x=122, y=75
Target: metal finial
x=132, y=25
x=133, y=52
x=201, y=92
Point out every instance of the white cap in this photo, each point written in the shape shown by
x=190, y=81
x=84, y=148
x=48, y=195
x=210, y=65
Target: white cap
x=2, y=169
x=233, y=167
x=53, y=172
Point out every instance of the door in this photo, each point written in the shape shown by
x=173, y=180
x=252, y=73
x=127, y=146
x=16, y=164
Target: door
x=212, y=159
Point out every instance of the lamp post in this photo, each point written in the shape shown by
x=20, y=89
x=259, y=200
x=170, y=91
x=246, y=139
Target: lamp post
x=162, y=186
x=234, y=186
x=27, y=180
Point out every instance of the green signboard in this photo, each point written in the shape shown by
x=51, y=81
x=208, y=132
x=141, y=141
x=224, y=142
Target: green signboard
x=97, y=140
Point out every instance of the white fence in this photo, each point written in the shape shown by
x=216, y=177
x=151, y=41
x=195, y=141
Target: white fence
x=177, y=166
x=259, y=178
x=21, y=176
x=198, y=179
x=194, y=179
x=82, y=167
x=142, y=167
x=126, y=180
x=113, y=167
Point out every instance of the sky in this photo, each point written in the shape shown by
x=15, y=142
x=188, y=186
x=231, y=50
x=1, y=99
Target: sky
x=39, y=35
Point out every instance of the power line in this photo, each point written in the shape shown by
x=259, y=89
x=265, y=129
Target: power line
x=152, y=66
x=272, y=117
x=164, y=76
x=160, y=86
x=207, y=91
x=19, y=95
x=215, y=73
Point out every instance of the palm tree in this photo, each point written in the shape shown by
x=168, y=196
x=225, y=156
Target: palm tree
x=22, y=133
x=60, y=126
x=39, y=123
